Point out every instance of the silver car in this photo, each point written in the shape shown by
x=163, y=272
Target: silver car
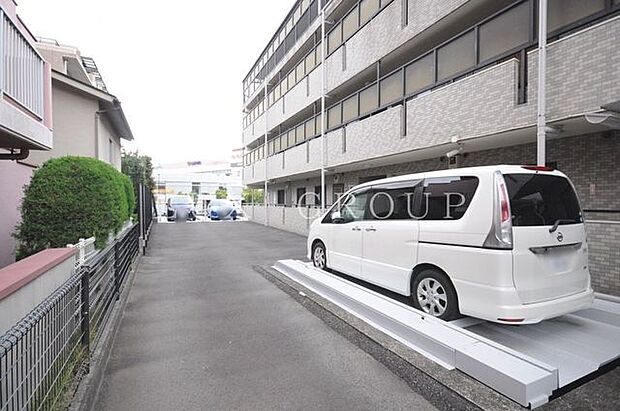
x=181, y=207
x=221, y=210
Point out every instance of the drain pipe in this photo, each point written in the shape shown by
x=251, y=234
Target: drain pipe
x=541, y=120
x=323, y=81
x=21, y=155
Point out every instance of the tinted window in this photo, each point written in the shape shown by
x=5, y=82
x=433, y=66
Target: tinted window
x=392, y=201
x=537, y=200
x=447, y=198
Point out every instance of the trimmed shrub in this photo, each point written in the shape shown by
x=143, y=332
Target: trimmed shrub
x=70, y=198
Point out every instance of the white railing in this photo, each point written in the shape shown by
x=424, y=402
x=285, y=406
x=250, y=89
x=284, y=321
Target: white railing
x=22, y=68
x=86, y=248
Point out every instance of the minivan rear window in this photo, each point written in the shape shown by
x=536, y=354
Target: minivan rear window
x=538, y=199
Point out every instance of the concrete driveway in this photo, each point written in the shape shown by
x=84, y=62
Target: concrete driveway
x=202, y=330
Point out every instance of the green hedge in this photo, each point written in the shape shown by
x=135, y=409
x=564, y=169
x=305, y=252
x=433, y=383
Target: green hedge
x=70, y=198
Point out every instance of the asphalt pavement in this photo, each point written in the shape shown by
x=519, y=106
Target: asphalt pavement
x=203, y=331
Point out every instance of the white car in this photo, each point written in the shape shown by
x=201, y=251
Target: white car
x=502, y=243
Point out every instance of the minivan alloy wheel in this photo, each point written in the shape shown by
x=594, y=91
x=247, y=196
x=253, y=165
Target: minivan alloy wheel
x=432, y=297
x=318, y=256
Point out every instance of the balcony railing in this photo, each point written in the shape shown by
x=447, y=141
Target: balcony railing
x=22, y=69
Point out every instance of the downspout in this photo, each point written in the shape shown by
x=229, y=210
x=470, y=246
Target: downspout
x=541, y=120
x=21, y=155
x=97, y=120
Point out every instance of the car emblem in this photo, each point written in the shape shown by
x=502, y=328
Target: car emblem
x=560, y=237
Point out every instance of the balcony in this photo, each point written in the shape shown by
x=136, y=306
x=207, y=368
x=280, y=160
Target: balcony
x=25, y=89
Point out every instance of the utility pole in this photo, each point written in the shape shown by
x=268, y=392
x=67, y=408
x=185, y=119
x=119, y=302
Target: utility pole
x=541, y=120
x=265, y=111
x=323, y=81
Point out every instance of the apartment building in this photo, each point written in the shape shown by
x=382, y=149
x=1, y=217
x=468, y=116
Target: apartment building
x=405, y=82
x=25, y=117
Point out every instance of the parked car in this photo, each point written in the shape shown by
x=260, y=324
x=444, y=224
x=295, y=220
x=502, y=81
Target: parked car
x=180, y=207
x=502, y=243
x=221, y=210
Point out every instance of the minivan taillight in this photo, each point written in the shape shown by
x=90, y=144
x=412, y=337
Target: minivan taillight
x=500, y=235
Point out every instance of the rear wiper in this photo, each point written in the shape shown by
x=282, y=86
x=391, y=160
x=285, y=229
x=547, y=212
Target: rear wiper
x=558, y=222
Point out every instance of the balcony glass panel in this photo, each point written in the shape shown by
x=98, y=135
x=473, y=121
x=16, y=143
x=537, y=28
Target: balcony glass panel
x=334, y=39
x=300, y=71
x=369, y=100
x=334, y=116
x=284, y=86
x=350, y=23
x=310, y=128
x=456, y=56
x=368, y=8
x=350, y=108
x=300, y=134
x=564, y=12
x=505, y=32
x=291, y=79
x=310, y=61
x=391, y=88
x=291, y=137
x=419, y=74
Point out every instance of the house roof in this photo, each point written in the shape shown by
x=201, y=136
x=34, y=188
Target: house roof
x=111, y=106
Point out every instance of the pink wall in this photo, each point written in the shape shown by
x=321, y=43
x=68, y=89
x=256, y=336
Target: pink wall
x=13, y=177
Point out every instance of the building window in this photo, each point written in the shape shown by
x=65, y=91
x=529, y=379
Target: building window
x=368, y=8
x=280, y=199
x=350, y=109
x=391, y=88
x=456, y=56
x=368, y=100
x=505, y=32
x=334, y=116
x=350, y=23
x=420, y=74
x=301, y=196
x=196, y=188
x=317, y=195
x=334, y=39
x=564, y=12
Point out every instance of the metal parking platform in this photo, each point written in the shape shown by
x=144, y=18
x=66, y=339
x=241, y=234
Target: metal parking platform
x=526, y=363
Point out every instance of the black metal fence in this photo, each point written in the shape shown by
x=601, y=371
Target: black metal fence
x=146, y=211
x=40, y=355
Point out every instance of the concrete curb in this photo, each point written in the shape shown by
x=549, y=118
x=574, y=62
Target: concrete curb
x=457, y=390
x=88, y=389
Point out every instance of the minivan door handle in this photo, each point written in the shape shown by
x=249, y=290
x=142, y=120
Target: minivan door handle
x=371, y=229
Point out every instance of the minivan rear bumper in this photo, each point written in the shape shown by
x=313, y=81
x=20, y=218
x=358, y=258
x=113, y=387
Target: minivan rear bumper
x=503, y=306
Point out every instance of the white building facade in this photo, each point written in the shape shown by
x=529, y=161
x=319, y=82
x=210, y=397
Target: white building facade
x=407, y=81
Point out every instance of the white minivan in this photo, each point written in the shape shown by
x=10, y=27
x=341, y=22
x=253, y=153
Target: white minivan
x=502, y=243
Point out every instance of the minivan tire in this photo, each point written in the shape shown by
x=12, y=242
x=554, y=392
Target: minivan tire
x=435, y=285
x=319, y=256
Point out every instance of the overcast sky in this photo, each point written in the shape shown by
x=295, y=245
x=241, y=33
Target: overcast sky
x=177, y=72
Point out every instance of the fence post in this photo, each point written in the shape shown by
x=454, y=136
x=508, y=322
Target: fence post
x=85, y=309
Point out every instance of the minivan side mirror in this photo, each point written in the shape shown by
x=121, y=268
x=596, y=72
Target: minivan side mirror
x=337, y=217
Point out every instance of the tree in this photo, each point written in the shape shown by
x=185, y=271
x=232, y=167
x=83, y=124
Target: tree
x=69, y=198
x=251, y=195
x=139, y=168
x=221, y=193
